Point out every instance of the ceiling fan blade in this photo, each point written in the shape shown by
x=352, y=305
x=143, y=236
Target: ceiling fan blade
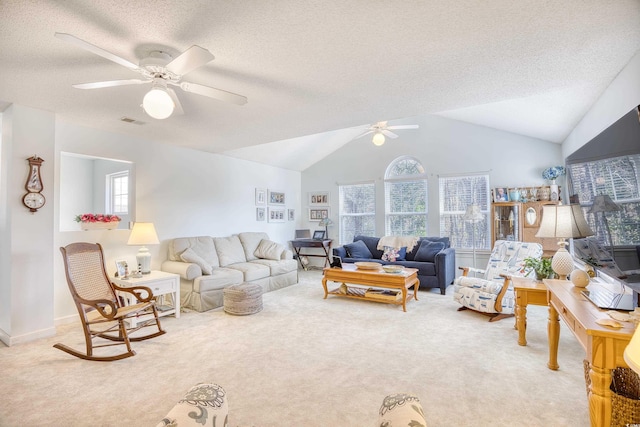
x=211, y=92
x=363, y=134
x=111, y=83
x=97, y=50
x=389, y=134
x=178, y=106
x=189, y=60
x=403, y=127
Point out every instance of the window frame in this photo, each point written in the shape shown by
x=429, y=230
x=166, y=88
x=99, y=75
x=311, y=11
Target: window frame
x=391, y=180
x=342, y=235
x=111, y=193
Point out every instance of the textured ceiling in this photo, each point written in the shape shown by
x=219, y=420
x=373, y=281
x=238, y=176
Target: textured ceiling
x=309, y=67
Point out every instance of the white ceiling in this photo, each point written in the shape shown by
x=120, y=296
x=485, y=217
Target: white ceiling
x=313, y=69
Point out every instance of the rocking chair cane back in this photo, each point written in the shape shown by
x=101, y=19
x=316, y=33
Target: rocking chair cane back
x=102, y=313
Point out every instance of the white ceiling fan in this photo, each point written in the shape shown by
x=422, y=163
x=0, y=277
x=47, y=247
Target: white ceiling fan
x=381, y=129
x=159, y=69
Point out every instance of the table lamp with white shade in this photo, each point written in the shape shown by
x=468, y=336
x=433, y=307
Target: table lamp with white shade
x=142, y=234
x=632, y=352
x=563, y=222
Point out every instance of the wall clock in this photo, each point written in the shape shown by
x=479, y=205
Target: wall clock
x=33, y=199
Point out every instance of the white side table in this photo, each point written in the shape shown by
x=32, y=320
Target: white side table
x=160, y=283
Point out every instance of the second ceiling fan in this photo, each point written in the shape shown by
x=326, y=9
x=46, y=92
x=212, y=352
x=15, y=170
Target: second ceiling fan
x=160, y=70
x=381, y=129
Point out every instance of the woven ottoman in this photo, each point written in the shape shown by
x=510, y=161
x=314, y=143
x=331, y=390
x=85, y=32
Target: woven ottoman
x=242, y=299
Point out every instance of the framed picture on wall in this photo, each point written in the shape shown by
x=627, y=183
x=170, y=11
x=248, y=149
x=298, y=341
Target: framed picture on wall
x=261, y=196
x=291, y=214
x=319, y=198
x=260, y=214
x=276, y=215
x=317, y=214
x=276, y=198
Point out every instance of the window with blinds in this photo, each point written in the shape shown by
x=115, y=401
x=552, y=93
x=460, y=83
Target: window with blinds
x=405, y=198
x=619, y=178
x=357, y=207
x=458, y=192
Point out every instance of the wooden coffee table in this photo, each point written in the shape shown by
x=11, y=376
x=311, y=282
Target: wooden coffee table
x=363, y=279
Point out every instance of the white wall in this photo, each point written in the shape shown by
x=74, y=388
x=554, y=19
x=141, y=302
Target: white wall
x=444, y=147
x=184, y=192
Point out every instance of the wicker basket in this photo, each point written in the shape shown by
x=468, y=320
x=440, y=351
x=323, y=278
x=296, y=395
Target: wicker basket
x=243, y=299
x=625, y=395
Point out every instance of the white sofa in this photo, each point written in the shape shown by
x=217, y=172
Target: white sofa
x=207, y=265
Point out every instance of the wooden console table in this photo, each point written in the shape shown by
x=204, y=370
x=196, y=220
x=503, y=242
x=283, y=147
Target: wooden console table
x=603, y=345
x=324, y=244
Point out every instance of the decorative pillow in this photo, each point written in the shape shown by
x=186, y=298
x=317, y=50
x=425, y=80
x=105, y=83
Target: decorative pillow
x=358, y=249
x=269, y=250
x=428, y=250
x=392, y=254
x=190, y=256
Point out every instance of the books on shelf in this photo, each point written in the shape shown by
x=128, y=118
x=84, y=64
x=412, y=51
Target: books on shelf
x=382, y=293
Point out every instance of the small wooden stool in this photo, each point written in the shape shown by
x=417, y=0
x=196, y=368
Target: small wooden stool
x=243, y=299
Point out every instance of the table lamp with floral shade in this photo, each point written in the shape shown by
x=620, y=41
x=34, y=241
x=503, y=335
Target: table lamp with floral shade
x=326, y=222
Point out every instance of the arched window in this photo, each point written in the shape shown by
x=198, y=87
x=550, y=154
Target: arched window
x=405, y=187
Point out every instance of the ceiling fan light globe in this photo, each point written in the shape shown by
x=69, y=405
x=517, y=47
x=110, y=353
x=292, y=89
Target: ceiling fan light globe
x=158, y=104
x=378, y=139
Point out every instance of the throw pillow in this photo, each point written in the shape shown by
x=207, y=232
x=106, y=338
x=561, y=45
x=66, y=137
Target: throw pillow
x=358, y=249
x=189, y=255
x=428, y=250
x=269, y=250
x=392, y=254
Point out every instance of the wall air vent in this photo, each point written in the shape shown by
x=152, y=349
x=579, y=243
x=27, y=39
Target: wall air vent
x=130, y=120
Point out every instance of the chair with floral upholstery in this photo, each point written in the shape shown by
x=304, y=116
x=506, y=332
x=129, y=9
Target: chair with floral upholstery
x=492, y=294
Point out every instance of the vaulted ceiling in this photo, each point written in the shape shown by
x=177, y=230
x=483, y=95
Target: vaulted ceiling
x=313, y=70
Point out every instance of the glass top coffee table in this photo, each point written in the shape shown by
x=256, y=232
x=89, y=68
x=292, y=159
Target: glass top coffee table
x=372, y=284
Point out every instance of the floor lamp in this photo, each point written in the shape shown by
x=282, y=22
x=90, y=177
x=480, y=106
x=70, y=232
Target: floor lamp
x=473, y=215
x=603, y=204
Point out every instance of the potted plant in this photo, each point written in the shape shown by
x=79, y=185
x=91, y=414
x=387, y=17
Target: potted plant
x=542, y=267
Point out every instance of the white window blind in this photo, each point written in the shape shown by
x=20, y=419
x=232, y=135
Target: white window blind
x=118, y=193
x=456, y=194
x=405, y=198
x=357, y=206
x=619, y=178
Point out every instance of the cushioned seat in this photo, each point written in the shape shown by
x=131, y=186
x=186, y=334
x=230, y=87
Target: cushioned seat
x=251, y=270
x=493, y=292
x=219, y=278
x=243, y=299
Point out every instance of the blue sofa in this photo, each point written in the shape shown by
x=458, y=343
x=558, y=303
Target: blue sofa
x=439, y=273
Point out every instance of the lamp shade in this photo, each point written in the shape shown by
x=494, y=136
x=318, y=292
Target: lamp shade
x=603, y=203
x=473, y=213
x=325, y=222
x=632, y=352
x=143, y=233
x=563, y=222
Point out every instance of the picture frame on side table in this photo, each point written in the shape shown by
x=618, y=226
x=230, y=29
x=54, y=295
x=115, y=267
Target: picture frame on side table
x=319, y=235
x=319, y=198
x=291, y=214
x=276, y=197
x=261, y=196
x=276, y=215
x=121, y=268
x=317, y=214
x=260, y=216
x=500, y=194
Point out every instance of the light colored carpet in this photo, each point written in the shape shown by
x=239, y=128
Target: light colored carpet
x=306, y=361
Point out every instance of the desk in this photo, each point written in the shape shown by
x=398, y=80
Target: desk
x=604, y=346
x=325, y=244
x=527, y=291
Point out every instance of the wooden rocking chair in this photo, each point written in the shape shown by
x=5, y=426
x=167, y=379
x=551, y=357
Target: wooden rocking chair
x=102, y=313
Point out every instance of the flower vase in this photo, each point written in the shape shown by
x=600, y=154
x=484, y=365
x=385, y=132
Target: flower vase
x=86, y=225
x=554, y=194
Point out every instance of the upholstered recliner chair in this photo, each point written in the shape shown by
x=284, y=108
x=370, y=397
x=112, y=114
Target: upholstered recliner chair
x=492, y=294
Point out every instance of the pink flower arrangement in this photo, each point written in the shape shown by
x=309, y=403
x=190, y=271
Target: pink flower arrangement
x=97, y=218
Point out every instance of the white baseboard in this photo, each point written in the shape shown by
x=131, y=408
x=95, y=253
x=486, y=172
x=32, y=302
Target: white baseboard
x=31, y=336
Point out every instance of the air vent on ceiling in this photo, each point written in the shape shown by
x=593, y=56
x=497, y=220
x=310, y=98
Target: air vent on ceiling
x=130, y=120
